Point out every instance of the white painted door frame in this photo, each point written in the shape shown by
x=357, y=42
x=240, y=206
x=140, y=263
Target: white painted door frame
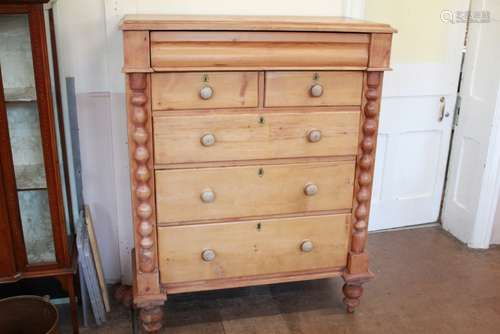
x=354, y=8
x=473, y=187
x=490, y=188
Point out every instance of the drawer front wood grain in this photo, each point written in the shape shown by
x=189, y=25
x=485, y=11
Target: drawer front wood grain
x=204, y=90
x=183, y=138
x=252, y=248
x=246, y=191
x=298, y=88
x=257, y=50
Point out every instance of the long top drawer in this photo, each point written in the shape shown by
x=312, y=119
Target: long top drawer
x=257, y=50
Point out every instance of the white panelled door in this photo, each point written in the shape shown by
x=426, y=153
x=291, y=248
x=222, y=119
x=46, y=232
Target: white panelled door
x=412, y=154
x=416, y=114
x=471, y=142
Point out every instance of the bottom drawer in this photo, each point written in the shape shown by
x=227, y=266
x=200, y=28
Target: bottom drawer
x=214, y=251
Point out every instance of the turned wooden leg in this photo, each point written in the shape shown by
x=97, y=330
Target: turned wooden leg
x=353, y=287
x=73, y=303
x=151, y=318
x=67, y=283
x=352, y=293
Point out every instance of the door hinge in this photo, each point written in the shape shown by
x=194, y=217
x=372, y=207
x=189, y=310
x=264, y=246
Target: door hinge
x=456, y=112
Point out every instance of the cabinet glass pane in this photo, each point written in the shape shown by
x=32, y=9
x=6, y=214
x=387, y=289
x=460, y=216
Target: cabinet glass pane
x=25, y=137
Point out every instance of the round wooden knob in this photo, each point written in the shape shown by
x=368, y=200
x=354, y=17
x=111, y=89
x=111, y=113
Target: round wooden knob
x=316, y=90
x=207, y=139
x=207, y=196
x=208, y=255
x=307, y=246
x=314, y=136
x=206, y=92
x=310, y=189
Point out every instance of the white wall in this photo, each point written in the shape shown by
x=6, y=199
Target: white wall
x=82, y=45
x=90, y=49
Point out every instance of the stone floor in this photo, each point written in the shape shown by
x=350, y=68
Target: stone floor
x=426, y=282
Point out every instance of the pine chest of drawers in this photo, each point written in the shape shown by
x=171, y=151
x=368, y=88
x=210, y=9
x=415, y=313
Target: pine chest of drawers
x=252, y=146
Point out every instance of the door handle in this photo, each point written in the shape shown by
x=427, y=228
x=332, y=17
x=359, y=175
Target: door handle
x=442, y=109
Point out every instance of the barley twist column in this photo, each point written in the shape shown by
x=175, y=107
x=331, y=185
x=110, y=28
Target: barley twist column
x=357, y=270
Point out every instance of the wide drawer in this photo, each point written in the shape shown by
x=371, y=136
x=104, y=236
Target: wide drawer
x=184, y=50
x=305, y=88
x=204, y=90
x=212, y=251
x=226, y=137
x=246, y=191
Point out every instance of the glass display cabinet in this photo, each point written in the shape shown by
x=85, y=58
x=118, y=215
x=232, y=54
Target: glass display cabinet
x=36, y=232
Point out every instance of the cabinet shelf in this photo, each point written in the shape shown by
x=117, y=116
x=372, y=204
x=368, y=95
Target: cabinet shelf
x=30, y=189
x=21, y=94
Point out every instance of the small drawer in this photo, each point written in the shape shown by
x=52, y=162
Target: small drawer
x=214, y=251
x=323, y=88
x=204, y=90
x=247, y=191
x=227, y=137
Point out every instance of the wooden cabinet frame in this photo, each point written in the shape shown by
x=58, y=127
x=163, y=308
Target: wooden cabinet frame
x=13, y=251
x=49, y=145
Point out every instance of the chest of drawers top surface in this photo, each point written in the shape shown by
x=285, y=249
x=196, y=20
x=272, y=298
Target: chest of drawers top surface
x=250, y=23
x=252, y=147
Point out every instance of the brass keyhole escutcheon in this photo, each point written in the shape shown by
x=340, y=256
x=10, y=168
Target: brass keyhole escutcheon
x=261, y=120
x=260, y=172
x=259, y=226
x=204, y=78
x=316, y=89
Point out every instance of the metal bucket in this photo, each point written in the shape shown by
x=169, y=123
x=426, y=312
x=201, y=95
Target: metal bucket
x=28, y=315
